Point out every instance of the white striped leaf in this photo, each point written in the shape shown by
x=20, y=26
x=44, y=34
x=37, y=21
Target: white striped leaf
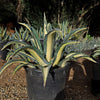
x=49, y=44
x=59, y=51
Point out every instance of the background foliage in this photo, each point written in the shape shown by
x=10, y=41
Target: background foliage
x=77, y=12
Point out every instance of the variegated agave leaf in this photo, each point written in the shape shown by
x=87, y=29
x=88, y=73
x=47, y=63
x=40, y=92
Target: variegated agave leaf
x=14, y=42
x=35, y=53
x=74, y=55
x=59, y=51
x=12, y=62
x=68, y=37
x=34, y=35
x=96, y=52
x=49, y=44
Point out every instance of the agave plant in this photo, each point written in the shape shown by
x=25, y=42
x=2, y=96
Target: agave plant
x=84, y=45
x=96, y=52
x=66, y=28
x=44, y=56
x=22, y=34
x=46, y=28
x=3, y=34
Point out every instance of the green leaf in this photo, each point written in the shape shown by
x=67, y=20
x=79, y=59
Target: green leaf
x=17, y=34
x=90, y=59
x=25, y=35
x=9, y=54
x=59, y=51
x=45, y=71
x=74, y=32
x=20, y=56
x=50, y=44
x=26, y=55
x=37, y=39
x=14, y=42
x=45, y=25
x=68, y=57
x=27, y=26
x=35, y=53
x=38, y=56
x=18, y=67
x=98, y=50
x=96, y=54
x=34, y=35
x=33, y=42
x=11, y=62
x=4, y=33
x=74, y=56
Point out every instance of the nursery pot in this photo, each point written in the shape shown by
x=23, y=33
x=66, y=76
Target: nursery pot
x=96, y=78
x=4, y=52
x=54, y=89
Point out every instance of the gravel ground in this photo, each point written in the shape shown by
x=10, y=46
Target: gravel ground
x=78, y=84
x=13, y=87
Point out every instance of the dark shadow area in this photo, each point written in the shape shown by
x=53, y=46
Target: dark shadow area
x=94, y=25
x=60, y=95
x=96, y=78
x=7, y=17
x=78, y=84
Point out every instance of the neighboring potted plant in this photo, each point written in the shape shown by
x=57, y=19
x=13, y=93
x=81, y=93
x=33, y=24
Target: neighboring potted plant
x=20, y=35
x=45, y=64
x=96, y=71
x=4, y=38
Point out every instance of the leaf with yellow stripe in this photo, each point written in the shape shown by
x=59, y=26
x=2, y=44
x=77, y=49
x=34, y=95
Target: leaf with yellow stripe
x=14, y=42
x=12, y=62
x=96, y=54
x=34, y=35
x=59, y=51
x=19, y=66
x=49, y=43
x=74, y=32
x=45, y=71
x=38, y=56
x=45, y=25
x=98, y=50
x=26, y=25
x=91, y=59
x=67, y=58
x=26, y=55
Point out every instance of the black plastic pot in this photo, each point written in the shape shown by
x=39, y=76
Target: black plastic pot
x=96, y=78
x=4, y=52
x=54, y=89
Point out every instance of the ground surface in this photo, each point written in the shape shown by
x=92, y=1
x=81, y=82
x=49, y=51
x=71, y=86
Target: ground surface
x=78, y=84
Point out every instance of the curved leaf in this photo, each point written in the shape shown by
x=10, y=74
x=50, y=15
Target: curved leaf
x=22, y=65
x=74, y=32
x=11, y=62
x=35, y=53
x=26, y=55
x=18, y=67
x=34, y=35
x=14, y=42
x=49, y=42
x=59, y=51
x=96, y=54
x=45, y=25
x=45, y=71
